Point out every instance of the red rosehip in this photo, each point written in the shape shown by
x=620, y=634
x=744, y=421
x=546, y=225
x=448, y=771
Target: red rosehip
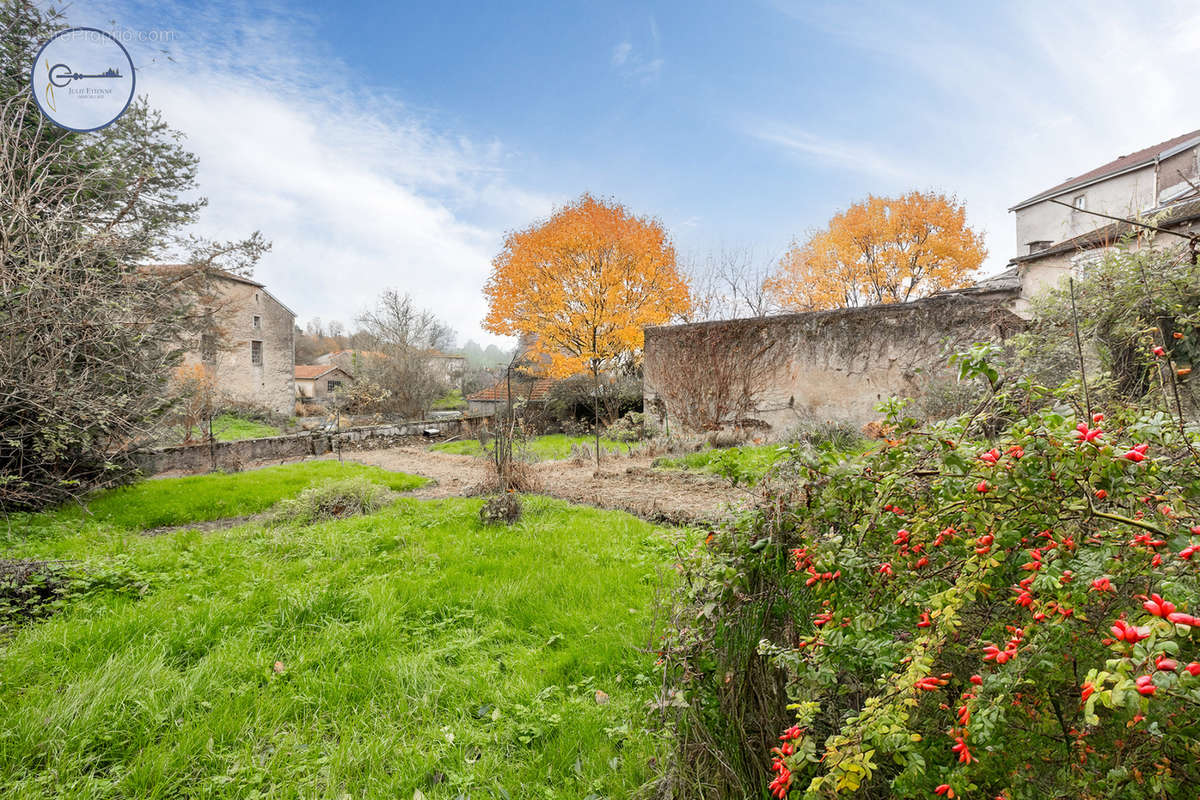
x=1125, y=632
x=1159, y=607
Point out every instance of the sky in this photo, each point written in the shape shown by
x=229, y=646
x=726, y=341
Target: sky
x=392, y=144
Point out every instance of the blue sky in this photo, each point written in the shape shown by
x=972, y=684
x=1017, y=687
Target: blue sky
x=392, y=144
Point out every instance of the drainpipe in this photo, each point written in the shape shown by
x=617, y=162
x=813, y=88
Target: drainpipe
x=1154, y=200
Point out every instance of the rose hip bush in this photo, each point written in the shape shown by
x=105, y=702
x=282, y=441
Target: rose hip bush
x=1017, y=617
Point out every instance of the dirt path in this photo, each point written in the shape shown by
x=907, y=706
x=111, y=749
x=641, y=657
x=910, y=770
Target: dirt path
x=624, y=484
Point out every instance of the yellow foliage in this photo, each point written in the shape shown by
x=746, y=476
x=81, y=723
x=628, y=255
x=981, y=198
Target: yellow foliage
x=583, y=284
x=882, y=250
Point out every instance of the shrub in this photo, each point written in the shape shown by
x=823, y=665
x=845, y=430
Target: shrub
x=632, y=427
x=1126, y=305
x=503, y=508
x=32, y=589
x=948, y=615
x=332, y=500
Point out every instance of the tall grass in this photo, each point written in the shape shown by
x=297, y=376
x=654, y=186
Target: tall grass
x=750, y=462
x=411, y=650
x=200, y=498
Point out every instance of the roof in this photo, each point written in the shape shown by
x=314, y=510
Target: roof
x=183, y=269
x=440, y=354
x=1008, y=279
x=310, y=372
x=535, y=391
x=1117, y=166
x=180, y=269
x=1174, y=215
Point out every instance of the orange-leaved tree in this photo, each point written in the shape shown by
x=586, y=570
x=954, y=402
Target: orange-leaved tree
x=582, y=285
x=881, y=250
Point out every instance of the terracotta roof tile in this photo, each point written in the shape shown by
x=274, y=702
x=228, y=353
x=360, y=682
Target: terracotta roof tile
x=536, y=391
x=309, y=372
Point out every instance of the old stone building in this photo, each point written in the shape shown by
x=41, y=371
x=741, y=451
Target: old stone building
x=246, y=337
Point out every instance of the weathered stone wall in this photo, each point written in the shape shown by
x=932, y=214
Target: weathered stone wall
x=236, y=455
x=785, y=370
x=243, y=313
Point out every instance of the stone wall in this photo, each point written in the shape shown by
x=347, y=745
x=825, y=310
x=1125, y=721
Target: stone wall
x=782, y=371
x=293, y=447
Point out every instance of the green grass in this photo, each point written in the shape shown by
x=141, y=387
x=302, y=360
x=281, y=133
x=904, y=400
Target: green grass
x=749, y=463
x=418, y=651
x=450, y=401
x=228, y=428
x=552, y=447
x=178, y=501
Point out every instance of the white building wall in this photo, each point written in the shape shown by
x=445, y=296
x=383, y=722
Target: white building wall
x=1120, y=196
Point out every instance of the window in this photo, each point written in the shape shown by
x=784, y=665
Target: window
x=256, y=353
x=257, y=322
x=1080, y=202
x=208, y=347
x=332, y=386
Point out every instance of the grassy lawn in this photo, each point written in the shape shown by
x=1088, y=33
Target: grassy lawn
x=749, y=463
x=200, y=498
x=408, y=651
x=552, y=447
x=228, y=428
x=450, y=401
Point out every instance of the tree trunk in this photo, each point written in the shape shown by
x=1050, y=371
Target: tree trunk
x=596, y=409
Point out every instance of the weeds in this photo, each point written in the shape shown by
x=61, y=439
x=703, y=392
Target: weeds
x=337, y=499
x=414, y=650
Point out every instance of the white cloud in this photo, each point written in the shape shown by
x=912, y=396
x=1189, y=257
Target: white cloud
x=356, y=192
x=845, y=155
x=633, y=64
x=1006, y=101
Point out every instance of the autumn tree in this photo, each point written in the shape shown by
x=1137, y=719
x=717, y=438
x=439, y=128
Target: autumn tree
x=882, y=250
x=582, y=285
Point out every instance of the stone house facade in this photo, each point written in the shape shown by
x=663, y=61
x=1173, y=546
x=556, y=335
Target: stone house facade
x=246, y=339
